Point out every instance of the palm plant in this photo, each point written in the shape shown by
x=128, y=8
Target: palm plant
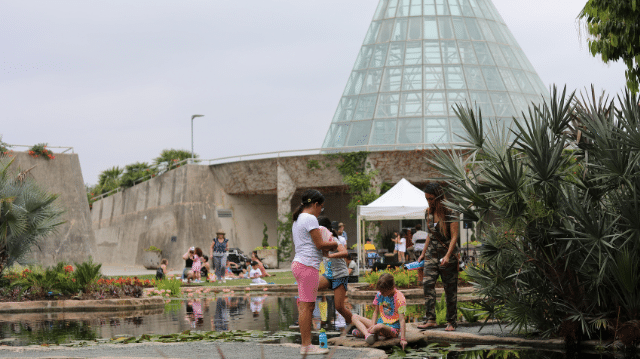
x=27, y=214
x=557, y=200
x=172, y=157
x=135, y=173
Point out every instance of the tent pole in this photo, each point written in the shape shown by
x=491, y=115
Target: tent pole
x=358, y=237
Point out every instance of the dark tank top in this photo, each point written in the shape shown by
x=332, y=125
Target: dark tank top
x=188, y=263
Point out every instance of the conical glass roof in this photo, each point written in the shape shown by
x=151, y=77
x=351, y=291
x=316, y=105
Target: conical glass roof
x=418, y=59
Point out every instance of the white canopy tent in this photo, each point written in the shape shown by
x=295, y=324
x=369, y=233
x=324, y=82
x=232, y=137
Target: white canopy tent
x=402, y=201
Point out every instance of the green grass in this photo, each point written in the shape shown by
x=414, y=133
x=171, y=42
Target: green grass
x=280, y=278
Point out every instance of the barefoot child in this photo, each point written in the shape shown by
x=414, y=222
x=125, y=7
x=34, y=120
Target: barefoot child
x=162, y=272
x=388, y=315
x=336, y=275
x=197, y=264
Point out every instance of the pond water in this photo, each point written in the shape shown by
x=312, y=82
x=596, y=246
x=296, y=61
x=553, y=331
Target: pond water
x=271, y=314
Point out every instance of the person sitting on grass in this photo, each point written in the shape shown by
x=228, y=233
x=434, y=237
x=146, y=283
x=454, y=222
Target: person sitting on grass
x=263, y=271
x=255, y=274
x=229, y=273
x=388, y=314
x=162, y=271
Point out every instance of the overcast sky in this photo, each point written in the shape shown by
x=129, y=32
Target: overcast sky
x=118, y=81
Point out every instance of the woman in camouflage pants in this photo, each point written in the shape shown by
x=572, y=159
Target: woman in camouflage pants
x=439, y=256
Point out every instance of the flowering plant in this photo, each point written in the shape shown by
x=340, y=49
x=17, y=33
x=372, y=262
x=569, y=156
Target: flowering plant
x=41, y=150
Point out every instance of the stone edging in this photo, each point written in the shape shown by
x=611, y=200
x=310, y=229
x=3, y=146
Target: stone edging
x=413, y=293
x=103, y=305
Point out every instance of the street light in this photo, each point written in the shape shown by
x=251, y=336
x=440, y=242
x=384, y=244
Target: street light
x=192, y=117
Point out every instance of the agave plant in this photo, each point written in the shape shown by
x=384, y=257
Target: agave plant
x=27, y=214
x=557, y=200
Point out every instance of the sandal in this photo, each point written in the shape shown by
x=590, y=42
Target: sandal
x=450, y=328
x=428, y=324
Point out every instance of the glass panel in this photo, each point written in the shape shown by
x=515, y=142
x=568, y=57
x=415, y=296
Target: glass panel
x=487, y=12
x=412, y=78
x=476, y=8
x=382, y=6
x=509, y=80
x=416, y=8
x=450, y=52
x=444, y=25
x=364, y=57
x=457, y=98
x=497, y=55
x=534, y=100
x=484, y=57
x=354, y=85
x=495, y=12
x=413, y=55
x=508, y=35
x=379, y=55
x=474, y=78
x=511, y=58
x=385, y=31
x=457, y=130
x=460, y=28
x=372, y=82
x=435, y=130
x=520, y=104
x=336, y=135
x=523, y=81
x=346, y=108
x=543, y=89
x=434, y=78
x=366, y=106
x=435, y=103
x=533, y=79
x=403, y=8
x=442, y=8
x=486, y=31
x=430, y=28
x=410, y=130
x=474, y=30
x=432, y=52
x=466, y=8
x=415, y=28
x=400, y=30
x=467, y=54
x=481, y=101
x=454, y=77
x=411, y=104
x=388, y=105
x=396, y=54
x=429, y=7
x=502, y=104
x=384, y=132
x=492, y=78
x=359, y=134
x=392, y=79
x=454, y=7
x=497, y=32
x=372, y=34
x=391, y=9
x=522, y=59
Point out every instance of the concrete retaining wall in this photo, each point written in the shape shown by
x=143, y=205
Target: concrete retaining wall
x=74, y=240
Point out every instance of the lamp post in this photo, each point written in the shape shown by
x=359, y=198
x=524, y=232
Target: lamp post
x=192, y=117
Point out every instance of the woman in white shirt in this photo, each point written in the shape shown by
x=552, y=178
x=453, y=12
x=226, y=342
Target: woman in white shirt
x=308, y=245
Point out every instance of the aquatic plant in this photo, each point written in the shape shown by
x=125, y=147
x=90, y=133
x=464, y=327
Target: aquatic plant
x=565, y=185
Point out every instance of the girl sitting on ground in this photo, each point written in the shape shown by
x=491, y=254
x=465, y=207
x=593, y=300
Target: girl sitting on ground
x=388, y=315
x=255, y=274
x=162, y=272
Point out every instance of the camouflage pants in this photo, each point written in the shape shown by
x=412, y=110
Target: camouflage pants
x=449, y=275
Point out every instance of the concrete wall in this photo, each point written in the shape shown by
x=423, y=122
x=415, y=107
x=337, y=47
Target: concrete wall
x=74, y=240
x=182, y=203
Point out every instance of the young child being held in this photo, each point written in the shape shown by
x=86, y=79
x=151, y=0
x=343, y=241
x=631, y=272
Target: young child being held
x=388, y=315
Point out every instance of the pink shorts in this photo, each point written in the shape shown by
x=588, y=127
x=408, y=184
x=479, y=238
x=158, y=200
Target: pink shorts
x=308, y=279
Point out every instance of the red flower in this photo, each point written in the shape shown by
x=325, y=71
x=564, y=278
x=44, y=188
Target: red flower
x=68, y=269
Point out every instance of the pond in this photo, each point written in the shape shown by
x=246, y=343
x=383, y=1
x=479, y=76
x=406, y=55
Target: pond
x=274, y=315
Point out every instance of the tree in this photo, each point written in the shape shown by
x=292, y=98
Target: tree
x=614, y=26
x=27, y=214
x=136, y=172
x=172, y=157
x=564, y=255
x=108, y=180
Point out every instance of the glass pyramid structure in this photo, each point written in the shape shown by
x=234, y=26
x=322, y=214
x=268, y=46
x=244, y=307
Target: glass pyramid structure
x=418, y=59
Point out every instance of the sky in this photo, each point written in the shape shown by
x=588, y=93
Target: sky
x=119, y=81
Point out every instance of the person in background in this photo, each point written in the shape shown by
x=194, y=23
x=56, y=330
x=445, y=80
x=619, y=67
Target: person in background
x=409, y=252
x=308, y=246
x=368, y=246
x=342, y=232
x=196, y=265
x=419, y=239
x=162, y=272
x=204, y=271
x=188, y=262
x=263, y=271
x=218, y=251
x=401, y=245
x=255, y=274
x=335, y=226
x=353, y=267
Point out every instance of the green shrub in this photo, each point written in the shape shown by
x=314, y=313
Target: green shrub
x=172, y=285
x=87, y=273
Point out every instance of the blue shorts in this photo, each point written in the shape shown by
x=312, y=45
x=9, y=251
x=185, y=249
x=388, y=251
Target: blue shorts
x=336, y=282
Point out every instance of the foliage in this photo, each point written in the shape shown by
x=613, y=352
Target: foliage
x=170, y=287
x=4, y=148
x=613, y=26
x=313, y=165
x=261, y=248
x=403, y=278
x=265, y=236
x=358, y=177
x=153, y=249
x=27, y=214
x=285, y=248
x=561, y=258
x=86, y=273
x=109, y=180
x=40, y=150
x=171, y=158
x=135, y=173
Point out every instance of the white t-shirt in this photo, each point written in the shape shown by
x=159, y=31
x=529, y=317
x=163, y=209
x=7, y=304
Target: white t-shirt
x=342, y=240
x=256, y=273
x=306, y=251
x=402, y=246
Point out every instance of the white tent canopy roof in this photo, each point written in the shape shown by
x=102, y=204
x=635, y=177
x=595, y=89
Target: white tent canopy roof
x=403, y=201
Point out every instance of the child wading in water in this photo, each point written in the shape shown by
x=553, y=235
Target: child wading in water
x=388, y=315
x=336, y=275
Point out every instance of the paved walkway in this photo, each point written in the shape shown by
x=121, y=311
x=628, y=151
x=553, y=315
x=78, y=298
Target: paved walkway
x=202, y=349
